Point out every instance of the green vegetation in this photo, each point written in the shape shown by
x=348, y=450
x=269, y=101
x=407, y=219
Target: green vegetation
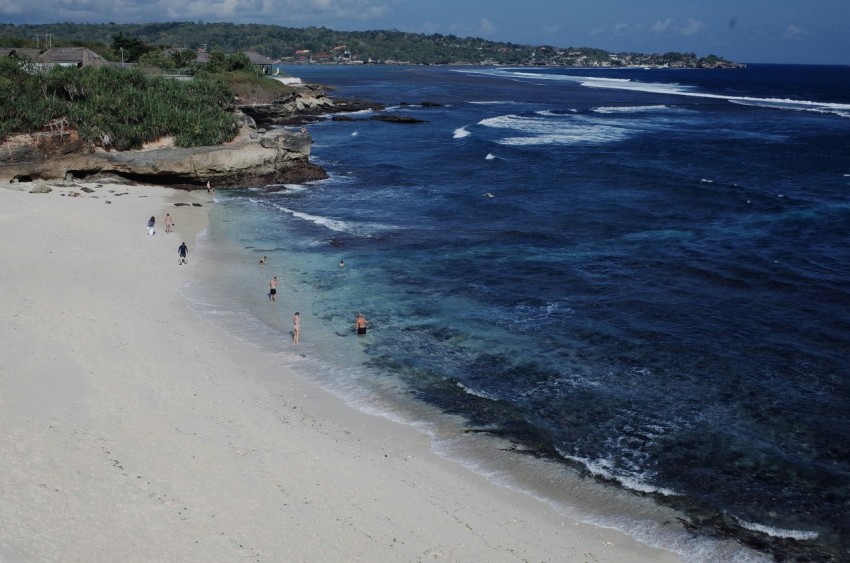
x=250, y=87
x=113, y=107
x=319, y=44
x=246, y=80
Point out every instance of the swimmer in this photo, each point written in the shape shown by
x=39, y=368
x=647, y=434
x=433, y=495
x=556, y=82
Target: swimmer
x=360, y=324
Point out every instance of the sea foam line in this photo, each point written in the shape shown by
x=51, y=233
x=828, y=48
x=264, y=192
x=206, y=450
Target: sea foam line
x=842, y=110
x=363, y=229
x=540, y=131
x=629, y=109
x=600, y=468
x=777, y=532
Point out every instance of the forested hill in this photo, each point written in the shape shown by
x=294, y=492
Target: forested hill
x=324, y=45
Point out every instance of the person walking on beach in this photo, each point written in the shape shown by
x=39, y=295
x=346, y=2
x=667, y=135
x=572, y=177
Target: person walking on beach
x=273, y=289
x=296, y=327
x=182, y=252
x=169, y=223
x=360, y=324
x=152, y=226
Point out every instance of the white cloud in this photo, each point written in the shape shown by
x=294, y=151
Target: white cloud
x=668, y=26
x=793, y=30
x=9, y=7
x=622, y=29
x=280, y=12
x=692, y=28
x=486, y=27
x=662, y=26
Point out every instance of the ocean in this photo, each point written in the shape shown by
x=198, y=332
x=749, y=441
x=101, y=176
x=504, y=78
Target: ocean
x=623, y=291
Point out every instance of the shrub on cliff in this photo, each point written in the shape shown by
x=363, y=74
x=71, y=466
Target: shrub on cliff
x=113, y=107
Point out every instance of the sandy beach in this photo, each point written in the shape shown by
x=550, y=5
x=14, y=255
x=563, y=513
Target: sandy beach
x=131, y=432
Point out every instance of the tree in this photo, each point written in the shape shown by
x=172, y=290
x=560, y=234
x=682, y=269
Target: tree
x=157, y=59
x=183, y=58
x=130, y=48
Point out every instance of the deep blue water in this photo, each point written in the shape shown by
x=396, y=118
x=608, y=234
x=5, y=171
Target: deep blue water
x=643, y=275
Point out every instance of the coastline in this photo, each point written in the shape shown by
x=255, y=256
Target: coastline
x=134, y=432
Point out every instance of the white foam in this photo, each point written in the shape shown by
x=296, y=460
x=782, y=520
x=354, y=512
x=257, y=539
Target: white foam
x=358, y=113
x=842, y=110
x=547, y=131
x=475, y=392
x=363, y=229
x=602, y=468
x=550, y=113
x=630, y=109
x=460, y=133
x=490, y=156
x=294, y=187
x=777, y=532
x=355, y=133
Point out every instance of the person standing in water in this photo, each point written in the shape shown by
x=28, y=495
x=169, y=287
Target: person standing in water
x=360, y=324
x=273, y=289
x=296, y=327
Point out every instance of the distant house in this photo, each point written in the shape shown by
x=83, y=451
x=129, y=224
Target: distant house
x=72, y=56
x=261, y=61
x=21, y=53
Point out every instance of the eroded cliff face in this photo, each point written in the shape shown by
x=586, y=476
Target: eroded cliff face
x=254, y=158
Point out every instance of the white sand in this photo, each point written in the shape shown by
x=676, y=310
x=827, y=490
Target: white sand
x=130, y=432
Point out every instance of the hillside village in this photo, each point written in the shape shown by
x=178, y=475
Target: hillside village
x=266, y=45
x=83, y=56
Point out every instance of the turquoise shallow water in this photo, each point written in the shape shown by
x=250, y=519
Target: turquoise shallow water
x=640, y=276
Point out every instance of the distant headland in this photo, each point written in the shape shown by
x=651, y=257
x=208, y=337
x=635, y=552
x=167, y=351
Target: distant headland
x=325, y=46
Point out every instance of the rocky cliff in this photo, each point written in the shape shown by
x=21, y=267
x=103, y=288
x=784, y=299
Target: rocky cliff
x=257, y=156
x=254, y=158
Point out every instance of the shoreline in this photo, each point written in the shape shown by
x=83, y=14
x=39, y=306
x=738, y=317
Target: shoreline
x=135, y=432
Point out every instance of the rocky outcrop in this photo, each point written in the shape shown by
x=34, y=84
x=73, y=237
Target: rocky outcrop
x=257, y=157
x=254, y=158
x=306, y=105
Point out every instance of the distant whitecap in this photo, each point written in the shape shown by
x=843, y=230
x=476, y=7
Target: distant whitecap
x=629, y=109
x=460, y=133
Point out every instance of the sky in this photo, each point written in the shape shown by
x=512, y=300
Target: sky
x=748, y=31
